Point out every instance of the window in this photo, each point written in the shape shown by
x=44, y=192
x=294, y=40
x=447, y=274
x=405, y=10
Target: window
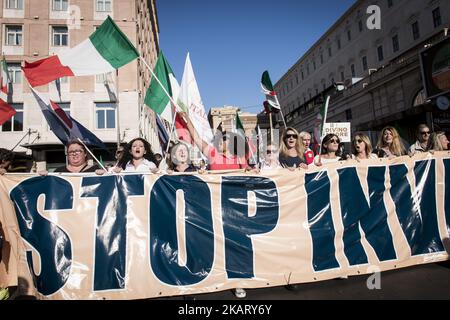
x=16, y=122
x=103, y=5
x=437, y=20
x=390, y=3
x=303, y=75
x=380, y=53
x=349, y=35
x=329, y=52
x=332, y=81
x=60, y=5
x=14, y=4
x=338, y=44
x=103, y=78
x=360, y=25
x=314, y=64
x=307, y=69
x=60, y=36
x=105, y=115
x=364, y=63
x=321, y=58
x=317, y=91
x=15, y=72
x=352, y=67
x=342, y=76
x=415, y=30
x=13, y=35
x=395, y=43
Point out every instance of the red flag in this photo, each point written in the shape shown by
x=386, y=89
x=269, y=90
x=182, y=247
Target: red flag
x=182, y=130
x=6, y=112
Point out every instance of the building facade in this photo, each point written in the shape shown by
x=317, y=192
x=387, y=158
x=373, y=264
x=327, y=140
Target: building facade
x=371, y=69
x=225, y=118
x=33, y=30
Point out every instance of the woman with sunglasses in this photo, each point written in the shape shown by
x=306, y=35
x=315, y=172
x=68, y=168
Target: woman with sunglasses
x=329, y=151
x=362, y=148
x=292, y=150
x=389, y=144
x=423, y=142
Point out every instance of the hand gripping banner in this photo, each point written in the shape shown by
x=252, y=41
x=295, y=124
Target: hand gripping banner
x=134, y=236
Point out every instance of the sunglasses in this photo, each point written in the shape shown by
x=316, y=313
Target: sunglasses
x=358, y=141
x=334, y=141
x=425, y=132
x=291, y=136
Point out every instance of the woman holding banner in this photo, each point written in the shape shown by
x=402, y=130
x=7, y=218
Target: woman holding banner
x=440, y=141
x=329, y=150
x=77, y=159
x=179, y=159
x=389, y=144
x=292, y=150
x=138, y=157
x=362, y=148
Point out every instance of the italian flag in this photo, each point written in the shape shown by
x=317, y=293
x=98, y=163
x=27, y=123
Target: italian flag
x=156, y=97
x=104, y=51
x=267, y=87
x=6, y=110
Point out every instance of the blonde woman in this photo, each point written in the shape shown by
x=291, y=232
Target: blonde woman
x=292, y=150
x=440, y=141
x=362, y=148
x=389, y=144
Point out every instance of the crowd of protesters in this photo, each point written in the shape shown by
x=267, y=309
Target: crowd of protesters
x=293, y=152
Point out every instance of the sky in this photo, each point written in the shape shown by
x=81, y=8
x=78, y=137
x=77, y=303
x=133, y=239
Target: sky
x=232, y=42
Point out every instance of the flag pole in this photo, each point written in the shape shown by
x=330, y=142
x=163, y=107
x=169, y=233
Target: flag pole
x=281, y=111
x=324, y=120
x=117, y=108
x=271, y=128
x=168, y=95
x=90, y=152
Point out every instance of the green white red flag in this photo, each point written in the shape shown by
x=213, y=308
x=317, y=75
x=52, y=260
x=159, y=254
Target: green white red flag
x=105, y=50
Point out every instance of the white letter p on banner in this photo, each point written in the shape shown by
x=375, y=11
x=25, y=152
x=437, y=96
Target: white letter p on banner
x=374, y=21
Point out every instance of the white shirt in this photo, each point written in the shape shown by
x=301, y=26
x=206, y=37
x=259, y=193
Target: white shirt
x=144, y=166
x=265, y=166
x=324, y=160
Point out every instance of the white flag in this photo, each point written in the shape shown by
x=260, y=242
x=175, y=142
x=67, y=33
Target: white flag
x=189, y=98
